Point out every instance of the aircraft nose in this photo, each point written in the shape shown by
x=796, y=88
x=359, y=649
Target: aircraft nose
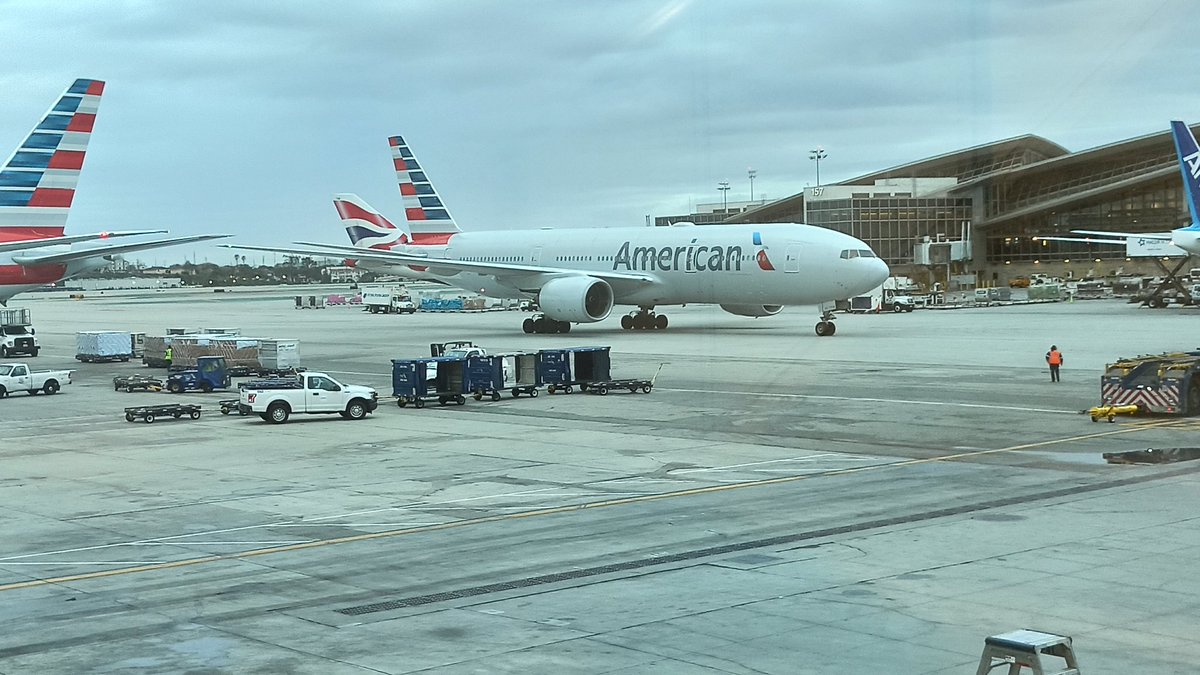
x=876, y=273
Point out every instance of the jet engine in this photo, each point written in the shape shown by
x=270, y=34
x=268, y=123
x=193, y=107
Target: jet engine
x=579, y=299
x=753, y=310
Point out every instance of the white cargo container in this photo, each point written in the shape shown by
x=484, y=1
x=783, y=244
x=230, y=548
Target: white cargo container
x=277, y=354
x=103, y=345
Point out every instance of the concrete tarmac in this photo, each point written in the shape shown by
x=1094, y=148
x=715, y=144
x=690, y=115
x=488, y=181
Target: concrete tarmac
x=875, y=502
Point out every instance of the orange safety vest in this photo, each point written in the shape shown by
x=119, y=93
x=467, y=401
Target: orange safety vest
x=1054, y=357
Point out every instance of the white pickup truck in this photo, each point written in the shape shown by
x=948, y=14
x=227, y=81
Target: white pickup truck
x=18, y=377
x=310, y=393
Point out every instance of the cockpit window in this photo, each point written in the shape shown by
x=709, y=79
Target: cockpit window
x=857, y=253
x=846, y=254
x=866, y=253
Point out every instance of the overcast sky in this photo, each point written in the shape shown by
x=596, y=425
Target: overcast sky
x=246, y=117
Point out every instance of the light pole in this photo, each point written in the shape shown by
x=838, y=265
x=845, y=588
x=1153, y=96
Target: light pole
x=723, y=186
x=752, y=173
x=817, y=154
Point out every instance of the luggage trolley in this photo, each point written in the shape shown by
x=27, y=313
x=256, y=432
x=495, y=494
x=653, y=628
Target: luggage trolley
x=563, y=369
x=440, y=379
x=492, y=374
x=148, y=413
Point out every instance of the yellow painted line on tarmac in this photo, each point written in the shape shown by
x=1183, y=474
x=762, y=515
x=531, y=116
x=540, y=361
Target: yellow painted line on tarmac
x=557, y=510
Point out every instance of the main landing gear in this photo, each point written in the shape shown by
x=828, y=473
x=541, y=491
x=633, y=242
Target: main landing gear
x=826, y=326
x=540, y=323
x=644, y=319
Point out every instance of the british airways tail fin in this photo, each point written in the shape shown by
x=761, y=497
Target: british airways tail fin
x=1189, y=165
x=427, y=216
x=367, y=227
x=37, y=182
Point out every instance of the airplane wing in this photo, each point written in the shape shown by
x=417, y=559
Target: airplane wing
x=1166, y=236
x=70, y=239
x=79, y=254
x=495, y=269
x=1086, y=240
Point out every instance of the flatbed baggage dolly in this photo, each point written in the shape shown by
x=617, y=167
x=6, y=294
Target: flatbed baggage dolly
x=149, y=413
x=632, y=384
x=230, y=405
x=131, y=383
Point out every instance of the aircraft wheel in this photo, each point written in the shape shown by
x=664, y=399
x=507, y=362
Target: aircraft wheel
x=660, y=322
x=528, y=325
x=824, y=328
x=564, y=326
x=627, y=322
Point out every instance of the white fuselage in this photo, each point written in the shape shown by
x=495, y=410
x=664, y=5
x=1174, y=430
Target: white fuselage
x=772, y=264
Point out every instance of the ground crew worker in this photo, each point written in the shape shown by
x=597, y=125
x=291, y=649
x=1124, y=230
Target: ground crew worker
x=167, y=356
x=1055, y=359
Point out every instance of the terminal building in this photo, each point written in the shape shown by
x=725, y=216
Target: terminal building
x=978, y=212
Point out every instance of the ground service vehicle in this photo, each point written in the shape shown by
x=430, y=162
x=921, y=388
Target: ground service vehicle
x=17, y=335
x=387, y=300
x=210, y=373
x=18, y=377
x=311, y=393
x=1162, y=383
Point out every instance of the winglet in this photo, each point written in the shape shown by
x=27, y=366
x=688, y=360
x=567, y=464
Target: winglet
x=1189, y=166
x=428, y=217
x=367, y=227
x=37, y=182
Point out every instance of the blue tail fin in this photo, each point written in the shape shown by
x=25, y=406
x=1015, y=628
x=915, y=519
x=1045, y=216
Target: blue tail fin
x=1189, y=165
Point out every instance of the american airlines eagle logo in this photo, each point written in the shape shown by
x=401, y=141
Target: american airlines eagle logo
x=764, y=263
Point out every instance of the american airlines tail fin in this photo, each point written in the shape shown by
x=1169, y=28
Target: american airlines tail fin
x=37, y=182
x=367, y=227
x=1189, y=165
x=428, y=218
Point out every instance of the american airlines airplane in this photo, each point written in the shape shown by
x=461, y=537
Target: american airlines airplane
x=578, y=275
x=37, y=186
x=1185, y=238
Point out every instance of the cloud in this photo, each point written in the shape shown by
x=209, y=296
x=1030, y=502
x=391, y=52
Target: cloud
x=247, y=117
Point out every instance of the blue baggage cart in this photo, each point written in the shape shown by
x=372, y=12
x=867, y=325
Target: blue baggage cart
x=492, y=374
x=564, y=369
x=438, y=379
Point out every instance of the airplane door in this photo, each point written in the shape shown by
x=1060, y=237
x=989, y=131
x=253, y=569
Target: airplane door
x=791, y=262
x=536, y=256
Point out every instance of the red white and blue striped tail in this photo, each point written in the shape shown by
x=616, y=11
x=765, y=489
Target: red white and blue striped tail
x=37, y=183
x=367, y=227
x=427, y=216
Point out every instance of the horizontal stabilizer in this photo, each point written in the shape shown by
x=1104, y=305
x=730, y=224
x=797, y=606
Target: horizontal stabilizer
x=59, y=258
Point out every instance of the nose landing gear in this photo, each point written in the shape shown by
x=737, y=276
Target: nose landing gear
x=826, y=326
x=644, y=319
x=540, y=323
